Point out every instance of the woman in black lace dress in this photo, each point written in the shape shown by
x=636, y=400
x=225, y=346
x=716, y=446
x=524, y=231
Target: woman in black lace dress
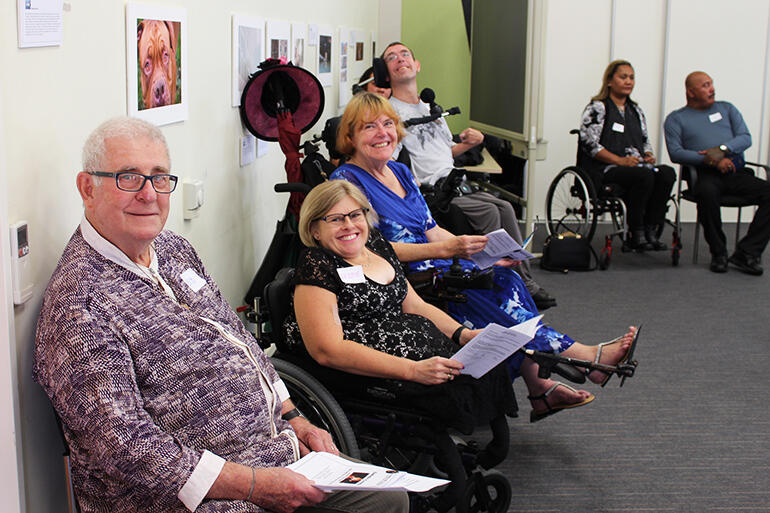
x=355, y=311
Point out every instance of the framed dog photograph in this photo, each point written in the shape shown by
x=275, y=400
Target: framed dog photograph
x=248, y=52
x=156, y=63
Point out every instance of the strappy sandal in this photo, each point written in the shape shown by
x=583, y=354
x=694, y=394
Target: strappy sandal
x=534, y=416
x=623, y=359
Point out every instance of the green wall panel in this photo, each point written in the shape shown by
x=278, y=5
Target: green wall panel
x=435, y=31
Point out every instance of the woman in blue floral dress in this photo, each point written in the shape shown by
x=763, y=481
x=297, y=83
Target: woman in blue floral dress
x=369, y=133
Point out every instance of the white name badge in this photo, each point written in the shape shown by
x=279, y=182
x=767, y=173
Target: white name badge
x=715, y=117
x=617, y=127
x=192, y=280
x=353, y=274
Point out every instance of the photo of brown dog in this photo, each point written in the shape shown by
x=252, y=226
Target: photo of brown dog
x=157, y=45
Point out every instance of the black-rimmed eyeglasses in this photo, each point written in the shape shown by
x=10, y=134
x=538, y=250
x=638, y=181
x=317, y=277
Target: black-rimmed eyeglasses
x=355, y=216
x=131, y=181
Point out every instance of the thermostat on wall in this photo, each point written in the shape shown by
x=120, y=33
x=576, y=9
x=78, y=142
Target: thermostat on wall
x=21, y=266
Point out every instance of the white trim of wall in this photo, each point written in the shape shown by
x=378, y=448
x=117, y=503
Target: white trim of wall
x=11, y=472
x=613, y=10
x=664, y=81
x=764, y=155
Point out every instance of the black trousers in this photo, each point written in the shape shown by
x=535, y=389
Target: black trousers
x=646, y=192
x=709, y=189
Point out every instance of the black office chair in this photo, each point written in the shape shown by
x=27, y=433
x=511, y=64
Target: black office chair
x=689, y=175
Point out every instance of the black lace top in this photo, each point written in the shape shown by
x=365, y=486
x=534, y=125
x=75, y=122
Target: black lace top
x=370, y=312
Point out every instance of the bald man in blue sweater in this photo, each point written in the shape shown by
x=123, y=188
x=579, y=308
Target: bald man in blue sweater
x=712, y=136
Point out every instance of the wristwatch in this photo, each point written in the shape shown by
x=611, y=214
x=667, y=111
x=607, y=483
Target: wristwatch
x=724, y=148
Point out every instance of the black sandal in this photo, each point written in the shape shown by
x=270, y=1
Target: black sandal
x=534, y=416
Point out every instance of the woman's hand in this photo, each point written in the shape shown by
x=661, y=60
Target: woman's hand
x=467, y=335
x=435, y=371
x=649, y=158
x=507, y=262
x=464, y=246
x=629, y=161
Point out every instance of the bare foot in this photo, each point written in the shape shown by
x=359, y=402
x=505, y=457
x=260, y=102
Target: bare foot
x=560, y=396
x=612, y=354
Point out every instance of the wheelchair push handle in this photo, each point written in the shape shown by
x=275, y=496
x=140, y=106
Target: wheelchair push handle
x=292, y=187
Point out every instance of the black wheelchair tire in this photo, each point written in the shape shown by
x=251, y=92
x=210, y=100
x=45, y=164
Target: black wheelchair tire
x=318, y=405
x=562, y=201
x=499, y=489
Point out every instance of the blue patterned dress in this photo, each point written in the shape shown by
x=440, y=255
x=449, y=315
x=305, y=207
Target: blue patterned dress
x=407, y=219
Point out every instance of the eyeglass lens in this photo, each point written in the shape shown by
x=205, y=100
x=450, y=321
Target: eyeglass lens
x=354, y=216
x=132, y=182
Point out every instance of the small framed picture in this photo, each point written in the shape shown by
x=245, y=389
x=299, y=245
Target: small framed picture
x=156, y=63
x=248, y=52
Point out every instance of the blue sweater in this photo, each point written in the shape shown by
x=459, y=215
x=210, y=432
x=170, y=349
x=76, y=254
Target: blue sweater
x=690, y=130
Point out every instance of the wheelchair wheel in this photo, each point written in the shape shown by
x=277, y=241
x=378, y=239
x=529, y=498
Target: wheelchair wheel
x=317, y=405
x=570, y=203
x=488, y=492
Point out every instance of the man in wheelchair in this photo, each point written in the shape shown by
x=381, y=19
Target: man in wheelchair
x=166, y=401
x=432, y=153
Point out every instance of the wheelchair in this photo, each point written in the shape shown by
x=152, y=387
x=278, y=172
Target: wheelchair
x=575, y=201
x=366, y=423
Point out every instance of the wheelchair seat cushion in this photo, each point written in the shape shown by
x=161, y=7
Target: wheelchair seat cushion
x=371, y=314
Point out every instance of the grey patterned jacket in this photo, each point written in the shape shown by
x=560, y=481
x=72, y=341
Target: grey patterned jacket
x=592, y=123
x=143, y=385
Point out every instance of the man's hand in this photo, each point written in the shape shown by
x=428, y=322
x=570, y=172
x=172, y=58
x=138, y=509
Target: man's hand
x=283, y=490
x=725, y=166
x=464, y=246
x=649, y=158
x=312, y=438
x=471, y=136
x=712, y=156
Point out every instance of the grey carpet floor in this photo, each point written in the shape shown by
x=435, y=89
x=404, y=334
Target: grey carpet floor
x=691, y=431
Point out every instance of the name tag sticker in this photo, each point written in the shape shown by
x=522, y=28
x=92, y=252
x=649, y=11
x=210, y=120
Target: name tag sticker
x=192, y=280
x=617, y=127
x=715, y=117
x=353, y=274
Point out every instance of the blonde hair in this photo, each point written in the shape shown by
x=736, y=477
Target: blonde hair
x=321, y=199
x=362, y=108
x=609, y=72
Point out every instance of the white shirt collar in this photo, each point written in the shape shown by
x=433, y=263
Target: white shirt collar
x=111, y=252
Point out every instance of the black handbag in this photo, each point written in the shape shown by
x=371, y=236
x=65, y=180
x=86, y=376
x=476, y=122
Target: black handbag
x=568, y=252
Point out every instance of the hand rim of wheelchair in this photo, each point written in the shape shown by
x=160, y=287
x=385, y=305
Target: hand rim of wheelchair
x=570, y=204
x=318, y=405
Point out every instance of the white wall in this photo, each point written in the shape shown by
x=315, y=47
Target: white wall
x=729, y=41
x=51, y=98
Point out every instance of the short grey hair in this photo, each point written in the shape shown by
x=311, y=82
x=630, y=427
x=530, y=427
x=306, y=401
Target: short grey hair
x=122, y=126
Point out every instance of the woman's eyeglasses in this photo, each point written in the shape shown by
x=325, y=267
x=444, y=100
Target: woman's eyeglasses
x=356, y=216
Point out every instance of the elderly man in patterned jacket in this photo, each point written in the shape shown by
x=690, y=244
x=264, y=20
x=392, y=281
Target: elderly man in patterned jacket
x=166, y=401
